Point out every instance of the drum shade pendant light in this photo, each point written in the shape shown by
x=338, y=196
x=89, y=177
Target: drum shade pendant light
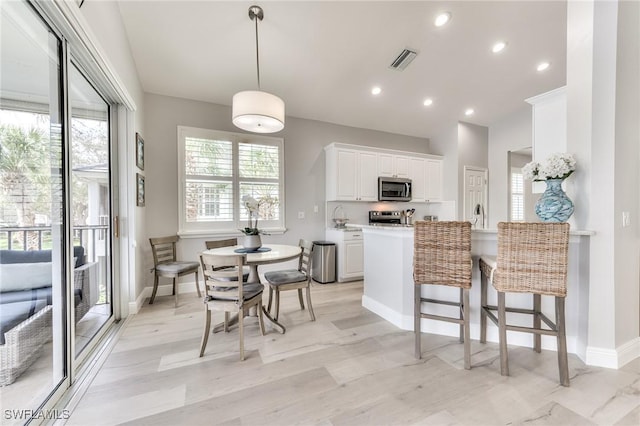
x=255, y=110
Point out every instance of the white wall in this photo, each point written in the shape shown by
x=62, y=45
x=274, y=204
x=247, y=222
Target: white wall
x=512, y=133
x=304, y=142
x=103, y=18
x=602, y=128
x=627, y=176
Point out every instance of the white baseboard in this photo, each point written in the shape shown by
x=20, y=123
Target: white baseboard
x=163, y=290
x=614, y=358
x=405, y=322
x=134, y=307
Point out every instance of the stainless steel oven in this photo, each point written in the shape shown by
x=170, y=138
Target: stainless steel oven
x=394, y=189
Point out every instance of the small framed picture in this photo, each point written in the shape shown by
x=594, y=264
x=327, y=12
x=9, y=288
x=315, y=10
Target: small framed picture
x=139, y=151
x=139, y=190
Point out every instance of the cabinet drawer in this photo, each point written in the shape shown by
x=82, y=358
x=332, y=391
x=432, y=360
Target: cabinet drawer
x=351, y=236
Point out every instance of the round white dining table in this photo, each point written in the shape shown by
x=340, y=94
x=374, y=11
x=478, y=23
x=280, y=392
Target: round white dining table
x=277, y=253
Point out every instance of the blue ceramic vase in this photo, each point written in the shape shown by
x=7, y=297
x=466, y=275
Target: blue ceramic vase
x=554, y=205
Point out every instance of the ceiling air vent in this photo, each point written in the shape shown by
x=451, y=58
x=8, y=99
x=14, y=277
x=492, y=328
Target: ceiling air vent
x=403, y=59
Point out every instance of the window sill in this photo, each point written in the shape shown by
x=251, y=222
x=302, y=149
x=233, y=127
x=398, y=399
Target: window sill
x=225, y=233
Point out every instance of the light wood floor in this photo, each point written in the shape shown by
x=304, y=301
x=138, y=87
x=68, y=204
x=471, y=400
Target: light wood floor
x=348, y=367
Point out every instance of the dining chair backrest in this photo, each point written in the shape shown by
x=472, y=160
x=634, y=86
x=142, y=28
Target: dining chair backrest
x=164, y=249
x=442, y=253
x=532, y=258
x=213, y=244
x=222, y=273
x=306, y=257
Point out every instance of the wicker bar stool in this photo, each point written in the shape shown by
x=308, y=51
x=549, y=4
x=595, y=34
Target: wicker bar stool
x=532, y=258
x=442, y=256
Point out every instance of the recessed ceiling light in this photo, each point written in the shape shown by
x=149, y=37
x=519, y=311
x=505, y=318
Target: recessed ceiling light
x=376, y=91
x=428, y=102
x=442, y=19
x=543, y=66
x=499, y=46
x=469, y=111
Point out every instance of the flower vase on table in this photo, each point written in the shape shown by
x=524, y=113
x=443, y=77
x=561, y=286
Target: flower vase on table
x=251, y=242
x=554, y=205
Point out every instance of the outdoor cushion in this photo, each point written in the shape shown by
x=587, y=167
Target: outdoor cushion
x=24, y=276
x=34, y=256
x=13, y=314
x=285, y=277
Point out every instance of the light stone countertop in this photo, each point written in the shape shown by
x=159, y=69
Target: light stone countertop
x=400, y=227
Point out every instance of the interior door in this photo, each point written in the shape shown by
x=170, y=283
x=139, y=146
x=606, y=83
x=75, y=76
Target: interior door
x=475, y=196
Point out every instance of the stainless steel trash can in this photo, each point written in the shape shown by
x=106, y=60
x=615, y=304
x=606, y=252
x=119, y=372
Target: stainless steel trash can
x=323, y=267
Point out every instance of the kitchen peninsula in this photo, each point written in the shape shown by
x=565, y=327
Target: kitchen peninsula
x=388, y=286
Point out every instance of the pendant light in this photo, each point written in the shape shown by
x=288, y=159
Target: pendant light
x=255, y=110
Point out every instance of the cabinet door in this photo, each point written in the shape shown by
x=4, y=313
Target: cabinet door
x=434, y=180
x=354, y=259
x=401, y=166
x=385, y=165
x=346, y=175
x=418, y=176
x=368, y=176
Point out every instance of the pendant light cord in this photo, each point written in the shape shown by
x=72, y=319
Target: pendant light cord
x=257, y=52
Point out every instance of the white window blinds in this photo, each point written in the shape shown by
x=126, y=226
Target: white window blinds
x=217, y=169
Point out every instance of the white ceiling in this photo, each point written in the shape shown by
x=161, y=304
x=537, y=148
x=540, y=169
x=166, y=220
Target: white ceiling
x=324, y=57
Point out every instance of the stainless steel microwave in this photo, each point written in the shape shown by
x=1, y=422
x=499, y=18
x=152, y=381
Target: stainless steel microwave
x=394, y=189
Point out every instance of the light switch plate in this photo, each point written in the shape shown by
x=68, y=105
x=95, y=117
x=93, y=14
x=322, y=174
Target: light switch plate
x=300, y=215
x=626, y=220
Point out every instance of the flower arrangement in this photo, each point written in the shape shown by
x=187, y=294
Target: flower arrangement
x=559, y=165
x=253, y=208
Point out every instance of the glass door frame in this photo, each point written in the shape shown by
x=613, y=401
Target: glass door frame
x=62, y=21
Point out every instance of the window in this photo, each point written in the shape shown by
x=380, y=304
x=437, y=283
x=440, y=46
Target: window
x=217, y=169
x=517, y=195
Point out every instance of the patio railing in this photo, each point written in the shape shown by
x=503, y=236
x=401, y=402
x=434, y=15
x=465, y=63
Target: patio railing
x=91, y=237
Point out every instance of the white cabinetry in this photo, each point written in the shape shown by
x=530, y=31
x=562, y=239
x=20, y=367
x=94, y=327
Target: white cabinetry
x=434, y=180
x=351, y=175
x=391, y=165
x=418, y=176
x=549, y=121
x=349, y=253
x=352, y=172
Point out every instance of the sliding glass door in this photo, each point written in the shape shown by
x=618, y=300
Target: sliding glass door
x=90, y=209
x=33, y=261
x=56, y=251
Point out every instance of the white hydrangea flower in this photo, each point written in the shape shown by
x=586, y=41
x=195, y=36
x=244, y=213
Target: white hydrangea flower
x=559, y=165
x=530, y=170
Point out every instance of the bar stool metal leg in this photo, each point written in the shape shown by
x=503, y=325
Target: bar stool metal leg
x=537, y=323
x=563, y=364
x=416, y=320
x=502, y=330
x=483, y=303
x=467, y=330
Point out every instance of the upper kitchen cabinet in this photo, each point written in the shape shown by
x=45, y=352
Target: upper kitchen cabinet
x=549, y=122
x=352, y=172
x=391, y=165
x=434, y=180
x=418, y=176
x=351, y=175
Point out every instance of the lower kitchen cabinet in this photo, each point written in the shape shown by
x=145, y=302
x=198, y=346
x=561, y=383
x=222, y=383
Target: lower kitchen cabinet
x=349, y=253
